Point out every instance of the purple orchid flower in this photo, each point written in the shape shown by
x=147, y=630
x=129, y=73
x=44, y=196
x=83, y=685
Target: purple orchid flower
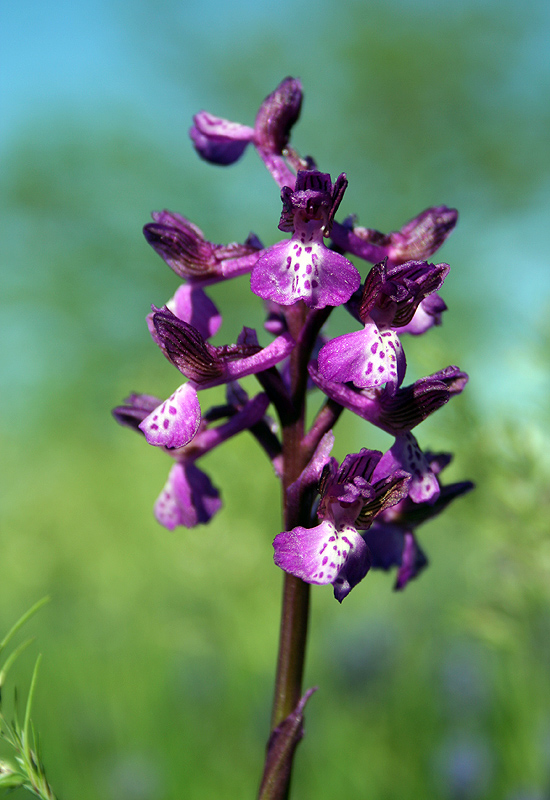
x=222, y=142
x=218, y=140
x=302, y=267
x=374, y=356
x=400, y=411
x=188, y=497
x=207, y=365
x=334, y=551
x=391, y=538
x=175, y=422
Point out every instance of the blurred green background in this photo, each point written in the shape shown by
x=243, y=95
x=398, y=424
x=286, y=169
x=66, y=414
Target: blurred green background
x=159, y=647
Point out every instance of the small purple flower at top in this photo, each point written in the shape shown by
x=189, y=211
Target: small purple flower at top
x=334, y=551
x=222, y=142
x=218, y=140
x=302, y=267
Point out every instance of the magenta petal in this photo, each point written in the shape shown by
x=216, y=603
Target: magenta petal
x=353, y=571
x=188, y=498
x=218, y=140
x=426, y=315
x=176, y=421
x=316, y=555
x=193, y=305
x=368, y=358
x=406, y=454
x=294, y=270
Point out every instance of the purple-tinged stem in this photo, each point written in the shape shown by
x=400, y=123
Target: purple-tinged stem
x=295, y=608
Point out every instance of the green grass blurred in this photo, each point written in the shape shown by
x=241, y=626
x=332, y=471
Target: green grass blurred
x=159, y=647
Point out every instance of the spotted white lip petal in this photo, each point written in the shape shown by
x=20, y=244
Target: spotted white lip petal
x=304, y=270
x=316, y=555
x=174, y=422
x=368, y=358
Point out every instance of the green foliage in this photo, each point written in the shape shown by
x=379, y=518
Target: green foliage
x=28, y=772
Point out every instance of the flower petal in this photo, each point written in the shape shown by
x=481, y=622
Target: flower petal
x=368, y=358
x=406, y=454
x=192, y=305
x=188, y=498
x=218, y=140
x=294, y=270
x=175, y=421
x=316, y=555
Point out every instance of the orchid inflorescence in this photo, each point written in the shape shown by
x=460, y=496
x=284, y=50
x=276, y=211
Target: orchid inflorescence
x=340, y=520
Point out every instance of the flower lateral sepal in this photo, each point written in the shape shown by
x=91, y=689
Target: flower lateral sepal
x=277, y=115
x=207, y=365
x=418, y=239
x=191, y=256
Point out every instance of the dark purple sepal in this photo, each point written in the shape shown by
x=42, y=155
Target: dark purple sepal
x=218, y=140
x=277, y=115
x=185, y=347
x=395, y=412
x=280, y=751
x=423, y=235
x=314, y=198
x=347, y=483
x=387, y=492
x=410, y=405
x=186, y=251
x=394, y=292
x=190, y=304
x=187, y=499
x=136, y=407
x=417, y=240
x=410, y=514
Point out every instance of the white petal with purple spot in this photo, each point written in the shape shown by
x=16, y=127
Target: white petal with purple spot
x=368, y=358
x=176, y=421
x=316, y=555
